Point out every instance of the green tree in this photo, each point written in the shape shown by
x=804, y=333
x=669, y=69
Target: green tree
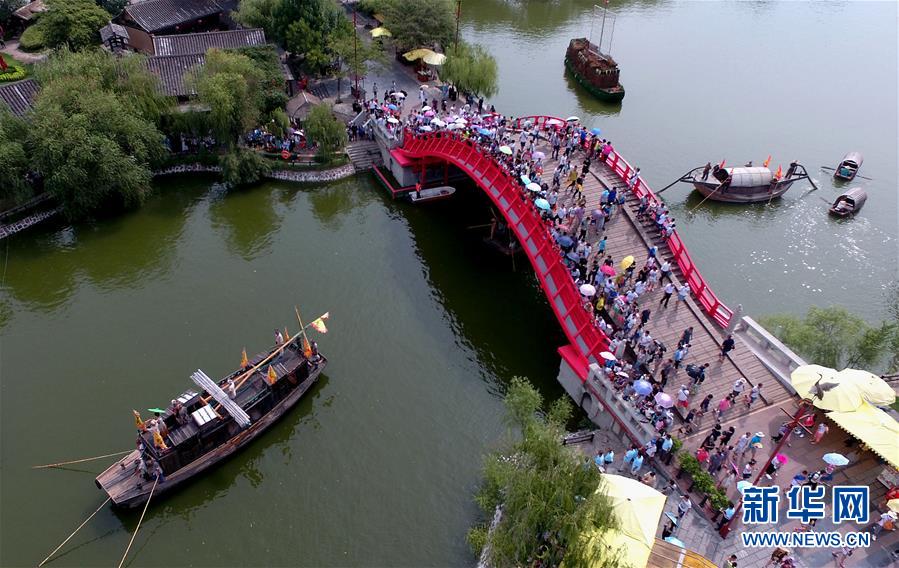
x=543, y=489
x=7, y=7
x=13, y=158
x=114, y=7
x=307, y=27
x=323, y=128
x=471, y=69
x=272, y=83
x=835, y=338
x=230, y=84
x=260, y=14
x=91, y=147
x=420, y=23
x=72, y=23
x=242, y=167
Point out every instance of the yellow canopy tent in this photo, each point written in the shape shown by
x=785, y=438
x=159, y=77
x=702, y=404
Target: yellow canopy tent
x=877, y=429
x=638, y=508
x=668, y=555
x=428, y=56
x=381, y=31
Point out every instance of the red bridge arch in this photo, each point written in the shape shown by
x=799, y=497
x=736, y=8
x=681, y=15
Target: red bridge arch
x=586, y=340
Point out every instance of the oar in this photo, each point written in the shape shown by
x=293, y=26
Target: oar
x=706, y=198
x=55, y=550
x=81, y=460
x=137, y=528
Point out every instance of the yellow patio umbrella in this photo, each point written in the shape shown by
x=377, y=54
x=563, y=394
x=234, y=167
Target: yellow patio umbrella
x=381, y=31
x=638, y=508
x=428, y=56
x=893, y=505
x=626, y=262
x=823, y=387
x=874, y=389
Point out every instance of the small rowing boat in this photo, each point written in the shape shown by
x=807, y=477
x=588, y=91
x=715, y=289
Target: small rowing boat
x=849, y=166
x=431, y=194
x=849, y=203
x=745, y=184
x=203, y=427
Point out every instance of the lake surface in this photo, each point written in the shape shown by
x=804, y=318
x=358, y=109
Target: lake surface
x=378, y=464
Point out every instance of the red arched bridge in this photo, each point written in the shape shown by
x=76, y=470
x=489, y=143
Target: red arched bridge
x=627, y=236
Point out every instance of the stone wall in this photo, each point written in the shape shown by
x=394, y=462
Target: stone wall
x=303, y=176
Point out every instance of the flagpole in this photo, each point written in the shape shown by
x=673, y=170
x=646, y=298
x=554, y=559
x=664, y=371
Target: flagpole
x=302, y=327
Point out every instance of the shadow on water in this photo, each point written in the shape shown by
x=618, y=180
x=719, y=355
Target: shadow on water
x=587, y=101
x=118, y=252
x=248, y=219
x=497, y=312
x=537, y=19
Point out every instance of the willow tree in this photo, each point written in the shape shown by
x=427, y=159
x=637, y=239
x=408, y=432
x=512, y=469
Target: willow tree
x=230, y=84
x=471, y=69
x=93, y=133
x=548, y=496
x=323, y=128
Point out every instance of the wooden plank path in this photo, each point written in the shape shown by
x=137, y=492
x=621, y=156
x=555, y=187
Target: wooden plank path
x=627, y=236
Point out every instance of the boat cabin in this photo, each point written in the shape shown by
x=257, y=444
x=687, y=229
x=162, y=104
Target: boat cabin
x=849, y=166
x=745, y=176
x=849, y=203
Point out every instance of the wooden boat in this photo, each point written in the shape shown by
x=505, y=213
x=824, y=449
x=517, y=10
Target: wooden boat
x=745, y=184
x=431, y=194
x=849, y=166
x=595, y=71
x=202, y=435
x=849, y=203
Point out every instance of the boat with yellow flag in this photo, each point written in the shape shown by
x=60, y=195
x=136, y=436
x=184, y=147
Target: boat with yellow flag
x=204, y=426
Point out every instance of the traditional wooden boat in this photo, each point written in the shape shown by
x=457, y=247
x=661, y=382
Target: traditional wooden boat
x=595, y=71
x=849, y=203
x=431, y=194
x=206, y=427
x=745, y=184
x=849, y=166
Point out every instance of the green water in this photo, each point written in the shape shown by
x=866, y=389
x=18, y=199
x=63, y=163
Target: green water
x=377, y=465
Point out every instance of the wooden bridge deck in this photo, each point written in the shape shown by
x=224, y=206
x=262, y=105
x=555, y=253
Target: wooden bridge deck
x=627, y=236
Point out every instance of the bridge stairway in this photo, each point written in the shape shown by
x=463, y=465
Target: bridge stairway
x=364, y=154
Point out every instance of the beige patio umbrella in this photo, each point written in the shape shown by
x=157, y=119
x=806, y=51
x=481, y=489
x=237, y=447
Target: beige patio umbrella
x=825, y=389
x=874, y=389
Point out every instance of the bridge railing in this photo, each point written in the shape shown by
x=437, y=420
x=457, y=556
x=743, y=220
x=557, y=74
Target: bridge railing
x=715, y=308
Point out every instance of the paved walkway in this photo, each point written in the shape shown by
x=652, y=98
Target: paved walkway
x=13, y=49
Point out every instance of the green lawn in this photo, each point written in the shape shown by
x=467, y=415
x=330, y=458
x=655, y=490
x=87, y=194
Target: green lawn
x=10, y=59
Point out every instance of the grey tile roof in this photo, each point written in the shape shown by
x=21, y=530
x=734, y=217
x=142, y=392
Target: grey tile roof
x=111, y=30
x=187, y=44
x=171, y=69
x=19, y=96
x=156, y=15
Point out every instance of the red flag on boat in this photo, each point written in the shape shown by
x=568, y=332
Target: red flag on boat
x=768, y=161
x=307, y=349
x=721, y=165
x=319, y=325
x=779, y=173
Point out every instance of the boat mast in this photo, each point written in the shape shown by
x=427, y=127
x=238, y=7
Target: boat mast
x=603, y=29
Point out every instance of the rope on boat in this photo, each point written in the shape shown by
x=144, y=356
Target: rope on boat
x=147, y=504
x=81, y=460
x=55, y=550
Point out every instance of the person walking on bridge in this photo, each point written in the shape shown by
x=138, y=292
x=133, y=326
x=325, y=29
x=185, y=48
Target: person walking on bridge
x=667, y=293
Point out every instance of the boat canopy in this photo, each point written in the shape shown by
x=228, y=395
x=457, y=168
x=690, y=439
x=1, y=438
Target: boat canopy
x=749, y=177
x=855, y=196
x=853, y=159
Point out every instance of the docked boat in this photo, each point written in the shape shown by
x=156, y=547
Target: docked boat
x=203, y=427
x=595, y=71
x=431, y=194
x=849, y=203
x=849, y=166
x=746, y=184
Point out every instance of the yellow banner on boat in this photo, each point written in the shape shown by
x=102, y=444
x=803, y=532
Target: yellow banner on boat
x=272, y=376
x=428, y=56
x=137, y=421
x=243, y=358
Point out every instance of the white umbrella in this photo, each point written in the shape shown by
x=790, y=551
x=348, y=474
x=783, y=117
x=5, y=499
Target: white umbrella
x=425, y=128
x=461, y=120
x=505, y=150
x=553, y=122
x=588, y=290
x=425, y=108
x=438, y=122
x=534, y=186
x=454, y=126
x=392, y=120
x=607, y=356
x=836, y=459
x=572, y=119
x=539, y=155
x=399, y=94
